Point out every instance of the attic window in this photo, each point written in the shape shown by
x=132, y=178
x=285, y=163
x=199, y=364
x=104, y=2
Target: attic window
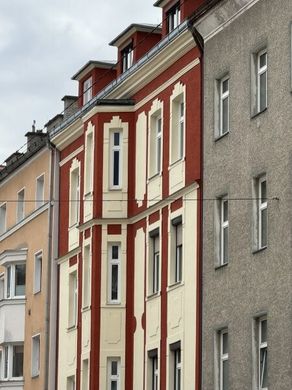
x=87, y=90
x=173, y=17
x=127, y=57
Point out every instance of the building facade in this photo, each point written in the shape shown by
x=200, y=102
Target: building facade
x=129, y=231
x=27, y=343
x=247, y=196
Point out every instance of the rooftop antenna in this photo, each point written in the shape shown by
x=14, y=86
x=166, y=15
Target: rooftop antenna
x=33, y=126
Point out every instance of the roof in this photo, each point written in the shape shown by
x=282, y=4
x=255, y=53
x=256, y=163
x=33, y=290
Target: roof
x=134, y=27
x=161, y=3
x=90, y=65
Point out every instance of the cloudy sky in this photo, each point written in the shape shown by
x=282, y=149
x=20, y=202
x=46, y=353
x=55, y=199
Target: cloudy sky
x=42, y=44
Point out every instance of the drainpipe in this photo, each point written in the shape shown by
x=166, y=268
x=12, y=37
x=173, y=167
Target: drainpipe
x=200, y=44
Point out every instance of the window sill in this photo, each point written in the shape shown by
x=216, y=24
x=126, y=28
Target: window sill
x=35, y=376
x=258, y=250
x=85, y=308
x=115, y=188
x=175, y=285
x=71, y=328
x=114, y=303
x=255, y=115
x=156, y=175
x=153, y=296
x=220, y=266
x=88, y=194
x=176, y=162
x=219, y=137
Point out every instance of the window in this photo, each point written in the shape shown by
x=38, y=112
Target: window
x=35, y=363
x=262, y=206
x=74, y=196
x=12, y=362
x=85, y=375
x=262, y=354
x=87, y=90
x=224, y=106
x=175, y=366
x=223, y=359
x=20, y=206
x=155, y=145
x=158, y=145
x=114, y=374
x=177, y=129
x=176, y=250
x=154, y=262
x=40, y=181
x=86, y=275
x=153, y=370
x=15, y=281
x=116, y=160
x=127, y=57
x=89, y=162
x=114, y=273
x=262, y=69
x=173, y=17
x=72, y=299
x=38, y=259
x=224, y=227
x=71, y=383
x=3, y=218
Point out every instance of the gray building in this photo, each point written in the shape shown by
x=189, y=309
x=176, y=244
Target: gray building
x=247, y=209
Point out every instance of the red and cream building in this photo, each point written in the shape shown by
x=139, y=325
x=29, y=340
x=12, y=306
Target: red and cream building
x=129, y=223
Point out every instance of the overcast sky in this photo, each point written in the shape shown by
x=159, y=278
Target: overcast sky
x=42, y=44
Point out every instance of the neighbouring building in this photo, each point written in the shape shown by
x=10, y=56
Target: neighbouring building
x=129, y=222
x=247, y=303
x=27, y=337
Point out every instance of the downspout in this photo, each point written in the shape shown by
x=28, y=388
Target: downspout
x=198, y=366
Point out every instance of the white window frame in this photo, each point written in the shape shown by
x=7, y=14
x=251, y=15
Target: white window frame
x=71, y=384
x=114, y=262
x=154, y=372
x=177, y=369
x=260, y=71
x=74, y=201
x=20, y=209
x=73, y=299
x=262, y=345
x=113, y=149
x=112, y=377
x=86, y=276
x=7, y=358
x=224, y=225
x=11, y=284
x=223, y=356
x=3, y=218
x=158, y=144
x=40, y=195
x=154, y=264
x=173, y=17
x=87, y=90
x=127, y=54
x=262, y=206
x=85, y=374
x=222, y=97
x=35, y=355
x=89, y=161
x=177, y=123
x=38, y=259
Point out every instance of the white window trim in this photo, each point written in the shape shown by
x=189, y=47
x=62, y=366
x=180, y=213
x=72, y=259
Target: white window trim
x=40, y=202
x=85, y=305
x=177, y=149
x=173, y=17
x=222, y=97
x=75, y=166
x=9, y=350
x=117, y=377
x=261, y=345
x=12, y=281
x=72, y=322
x=89, y=161
x=4, y=205
x=18, y=218
x=37, y=255
x=223, y=226
x=155, y=114
x=177, y=368
x=261, y=207
x=114, y=148
x=112, y=262
x=260, y=71
x=87, y=90
x=35, y=366
x=222, y=357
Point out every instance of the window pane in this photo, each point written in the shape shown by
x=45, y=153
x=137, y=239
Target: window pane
x=263, y=191
x=115, y=252
x=225, y=86
x=115, y=273
x=20, y=279
x=8, y=282
x=114, y=367
x=225, y=115
x=225, y=367
x=225, y=210
x=263, y=60
x=114, y=385
x=263, y=368
x=5, y=362
x=225, y=343
x=263, y=331
x=116, y=168
x=263, y=91
x=225, y=245
x=116, y=139
x=17, y=367
x=264, y=231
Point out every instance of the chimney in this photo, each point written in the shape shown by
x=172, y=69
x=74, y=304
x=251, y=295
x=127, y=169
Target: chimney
x=70, y=105
x=35, y=138
x=54, y=122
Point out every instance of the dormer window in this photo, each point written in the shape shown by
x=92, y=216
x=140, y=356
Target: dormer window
x=87, y=90
x=127, y=57
x=173, y=17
